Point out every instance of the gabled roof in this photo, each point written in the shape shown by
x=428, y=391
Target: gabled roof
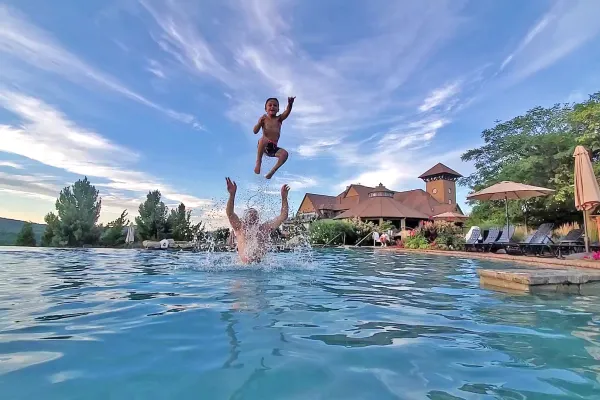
x=382, y=207
x=439, y=169
x=321, y=201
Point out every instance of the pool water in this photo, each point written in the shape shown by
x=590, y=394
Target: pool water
x=350, y=324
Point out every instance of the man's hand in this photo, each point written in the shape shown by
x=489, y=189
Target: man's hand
x=284, y=191
x=231, y=186
x=291, y=100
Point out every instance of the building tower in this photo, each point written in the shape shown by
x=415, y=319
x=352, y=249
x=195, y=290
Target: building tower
x=441, y=183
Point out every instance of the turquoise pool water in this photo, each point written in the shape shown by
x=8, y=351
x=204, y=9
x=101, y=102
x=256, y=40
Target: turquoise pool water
x=119, y=324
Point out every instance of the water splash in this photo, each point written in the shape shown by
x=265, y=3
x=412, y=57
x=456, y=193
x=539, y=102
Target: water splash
x=282, y=250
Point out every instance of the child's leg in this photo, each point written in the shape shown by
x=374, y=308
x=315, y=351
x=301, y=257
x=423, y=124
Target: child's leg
x=282, y=156
x=262, y=143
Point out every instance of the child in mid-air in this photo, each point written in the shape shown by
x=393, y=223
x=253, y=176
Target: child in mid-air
x=271, y=127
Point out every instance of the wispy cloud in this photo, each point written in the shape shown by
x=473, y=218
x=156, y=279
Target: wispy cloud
x=10, y=164
x=21, y=40
x=566, y=27
x=440, y=96
x=47, y=136
x=262, y=57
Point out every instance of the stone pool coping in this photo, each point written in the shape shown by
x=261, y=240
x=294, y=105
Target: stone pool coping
x=540, y=262
x=548, y=274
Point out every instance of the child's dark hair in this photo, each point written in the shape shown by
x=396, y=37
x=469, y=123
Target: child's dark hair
x=271, y=98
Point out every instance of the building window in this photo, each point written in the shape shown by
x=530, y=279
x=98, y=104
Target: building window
x=449, y=191
x=449, y=201
x=434, y=191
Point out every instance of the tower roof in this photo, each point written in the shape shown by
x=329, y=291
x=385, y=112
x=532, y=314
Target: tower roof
x=439, y=169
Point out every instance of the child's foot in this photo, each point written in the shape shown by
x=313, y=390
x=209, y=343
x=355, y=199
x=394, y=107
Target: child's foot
x=257, y=168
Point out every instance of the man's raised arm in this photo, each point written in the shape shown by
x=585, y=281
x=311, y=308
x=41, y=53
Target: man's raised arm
x=284, y=209
x=234, y=220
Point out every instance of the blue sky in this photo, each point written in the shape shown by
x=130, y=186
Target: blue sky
x=146, y=94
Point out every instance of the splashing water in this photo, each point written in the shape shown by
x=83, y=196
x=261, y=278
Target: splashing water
x=264, y=196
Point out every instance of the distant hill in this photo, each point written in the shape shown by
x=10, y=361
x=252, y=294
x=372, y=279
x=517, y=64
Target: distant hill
x=10, y=228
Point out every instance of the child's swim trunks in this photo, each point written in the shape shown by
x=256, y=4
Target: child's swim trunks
x=271, y=149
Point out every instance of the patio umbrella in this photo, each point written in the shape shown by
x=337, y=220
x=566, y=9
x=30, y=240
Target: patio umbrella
x=450, y=216
x=587, y=193
x=508, y=190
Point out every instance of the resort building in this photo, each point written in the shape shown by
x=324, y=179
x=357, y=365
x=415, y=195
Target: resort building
x=378, y=204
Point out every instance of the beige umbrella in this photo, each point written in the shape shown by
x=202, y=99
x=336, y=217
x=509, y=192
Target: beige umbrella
x=507, y=190
x=450, y=216
x=587, y=193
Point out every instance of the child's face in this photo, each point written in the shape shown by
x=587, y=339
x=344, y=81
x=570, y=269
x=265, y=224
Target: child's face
x=272, y=107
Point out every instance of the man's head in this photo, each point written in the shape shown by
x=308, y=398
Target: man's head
x=272, y=106
x=251, y=217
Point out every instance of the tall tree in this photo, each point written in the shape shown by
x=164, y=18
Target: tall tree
x=114, y=233
x=78, y=209
x=152, y=220
x=537, y=149
x=52, y=230
x=181, y=224
x=26, y=236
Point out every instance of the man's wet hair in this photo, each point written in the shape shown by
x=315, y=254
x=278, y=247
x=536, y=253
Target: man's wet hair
x=271, y=98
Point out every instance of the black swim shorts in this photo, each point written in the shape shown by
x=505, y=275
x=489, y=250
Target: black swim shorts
x=271, y=149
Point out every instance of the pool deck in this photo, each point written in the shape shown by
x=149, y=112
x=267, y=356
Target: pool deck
x=547, y=275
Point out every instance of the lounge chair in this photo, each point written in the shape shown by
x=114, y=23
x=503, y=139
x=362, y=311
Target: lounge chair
x=504, y=239
x=491, y=237
x=571, y=241
x=472, y=239
x=539, y=239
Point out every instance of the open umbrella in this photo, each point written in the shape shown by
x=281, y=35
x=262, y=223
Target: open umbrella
x=450, y=216
x=587, y=193
x=507, y=190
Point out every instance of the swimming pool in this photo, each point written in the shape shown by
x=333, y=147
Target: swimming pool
x=352, y=324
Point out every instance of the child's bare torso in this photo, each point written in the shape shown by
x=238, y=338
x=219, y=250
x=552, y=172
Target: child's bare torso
x=272, y=128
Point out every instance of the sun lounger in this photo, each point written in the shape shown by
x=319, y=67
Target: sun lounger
x=504, y=239
x=491, y=237
x=472, y=239
x=571, y=241
x=539, y=239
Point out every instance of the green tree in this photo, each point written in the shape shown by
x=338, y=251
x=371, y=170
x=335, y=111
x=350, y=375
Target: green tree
x=114, y=233
x=181, y=226
x=52, y=229
x=26, y=236
x=536, y=149
x=152, y=221
x=78, y=209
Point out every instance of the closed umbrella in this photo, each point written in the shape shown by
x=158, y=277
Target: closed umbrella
x=507, y=190
x=587, y=193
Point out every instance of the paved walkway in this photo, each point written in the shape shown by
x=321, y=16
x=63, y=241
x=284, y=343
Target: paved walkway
x=544, y=262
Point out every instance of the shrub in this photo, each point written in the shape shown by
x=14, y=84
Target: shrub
x=417, y=241
x=326, y=230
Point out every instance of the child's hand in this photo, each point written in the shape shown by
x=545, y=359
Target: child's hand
x=291, y=100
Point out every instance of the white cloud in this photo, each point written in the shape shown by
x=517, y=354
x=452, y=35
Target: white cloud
x=350, y=86
x=155, y=68
x=567, y=26
x=10, y=164
x=440, y=96
x=21, y=40
x=47, y=136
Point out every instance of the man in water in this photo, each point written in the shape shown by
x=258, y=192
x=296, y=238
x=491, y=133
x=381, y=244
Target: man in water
x=252, y=237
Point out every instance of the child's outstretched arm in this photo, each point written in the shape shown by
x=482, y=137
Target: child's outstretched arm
x=288, y=109
x=259, y=124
